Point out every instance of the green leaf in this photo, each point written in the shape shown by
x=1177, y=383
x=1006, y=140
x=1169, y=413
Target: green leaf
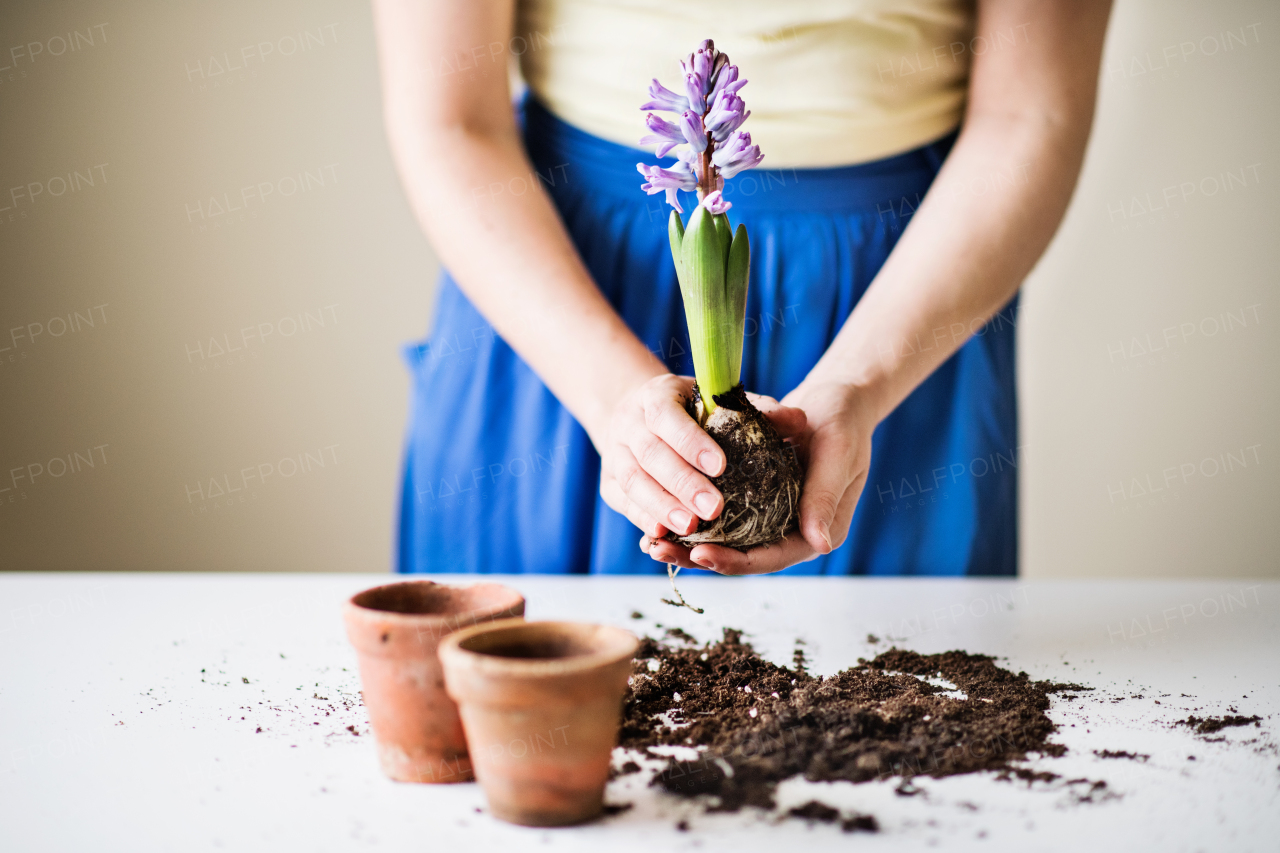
x=736, y=278
x=675, y=232
x=722, y=228
x=711, y=321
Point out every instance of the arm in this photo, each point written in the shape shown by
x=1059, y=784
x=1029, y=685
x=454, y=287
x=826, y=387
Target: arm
x=453, y=135
x=962, y=257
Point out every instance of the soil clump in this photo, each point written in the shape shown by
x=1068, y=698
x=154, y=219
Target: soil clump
x=762, y=479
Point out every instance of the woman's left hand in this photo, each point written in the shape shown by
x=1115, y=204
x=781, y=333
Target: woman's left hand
x=835, y=447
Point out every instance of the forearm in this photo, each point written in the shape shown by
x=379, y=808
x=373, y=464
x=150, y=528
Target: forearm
x=992, y=209
x=989, y=215
x=453, y=136
x=511, y=255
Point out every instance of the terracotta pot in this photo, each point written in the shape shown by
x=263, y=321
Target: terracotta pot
x=541, y=703
x=396, y=630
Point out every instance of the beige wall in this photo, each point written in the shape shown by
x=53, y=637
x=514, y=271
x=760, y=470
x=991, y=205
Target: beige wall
x=116, y=296
x=1149, y=343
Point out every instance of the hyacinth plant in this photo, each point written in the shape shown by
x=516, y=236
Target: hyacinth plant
x=761, y=483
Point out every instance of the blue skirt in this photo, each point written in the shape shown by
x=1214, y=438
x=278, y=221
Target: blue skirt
x=499, y=477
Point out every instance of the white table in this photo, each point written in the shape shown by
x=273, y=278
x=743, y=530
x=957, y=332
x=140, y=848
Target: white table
x=130, y=707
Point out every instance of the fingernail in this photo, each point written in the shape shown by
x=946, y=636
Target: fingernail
x=709, y=462
x=706, y=504
x=706, y=564
x=680, y=520
x=825, y=530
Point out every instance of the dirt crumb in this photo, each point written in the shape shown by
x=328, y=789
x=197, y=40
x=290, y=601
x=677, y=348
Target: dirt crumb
x=860, y=823
x=681, y=635
x=814, y=810
x=1120, y=753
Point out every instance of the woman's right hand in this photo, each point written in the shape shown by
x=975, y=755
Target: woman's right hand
x=655, y=460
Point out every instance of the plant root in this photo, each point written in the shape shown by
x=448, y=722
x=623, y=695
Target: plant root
x=672, y=571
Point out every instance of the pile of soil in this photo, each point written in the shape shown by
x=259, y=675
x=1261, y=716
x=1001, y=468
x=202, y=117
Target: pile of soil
x=757, y=723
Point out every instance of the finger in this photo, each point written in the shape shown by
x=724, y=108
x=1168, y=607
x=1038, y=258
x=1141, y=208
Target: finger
x=666, y=418
x=666, y=551
x=825, y=483
x=755, y=561
x=789, y=421
x=839, y=530
x=676, y=476
x=649, y=498
x=617, y=500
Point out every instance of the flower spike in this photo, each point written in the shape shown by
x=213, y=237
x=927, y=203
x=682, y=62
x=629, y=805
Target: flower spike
x=705, y=137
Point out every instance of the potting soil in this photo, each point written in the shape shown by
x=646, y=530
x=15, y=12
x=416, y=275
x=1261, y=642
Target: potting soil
x=899, y=715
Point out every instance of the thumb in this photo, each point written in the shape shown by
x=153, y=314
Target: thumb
x=825, y=483
x=789, y=421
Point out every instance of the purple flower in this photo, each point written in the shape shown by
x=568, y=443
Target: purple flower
x=727, y=114
x=678, y=177
x=658, y=179
x=665, y=135
x=736, y=155
x=722, y=59
x=696, y=91
x=686, y=154
x=694, y=133
x=702, y=63
x=709, y=113
x=715, y=203
x=662, y=98
x=726, y=79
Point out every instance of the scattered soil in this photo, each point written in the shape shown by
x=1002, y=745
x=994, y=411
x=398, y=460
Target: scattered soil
x=814, y=811
x=1209, y=725
x=861, y=822
x=681, y=635
x=1119, y=753
x=759, y=723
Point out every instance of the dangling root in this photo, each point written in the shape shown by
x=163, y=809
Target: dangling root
x=672, y=571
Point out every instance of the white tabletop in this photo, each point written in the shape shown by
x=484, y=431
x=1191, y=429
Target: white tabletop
x=130, y=709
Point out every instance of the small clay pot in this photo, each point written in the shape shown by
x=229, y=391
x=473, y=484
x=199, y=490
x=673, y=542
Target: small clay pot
x=396, y=630
x=541, y=703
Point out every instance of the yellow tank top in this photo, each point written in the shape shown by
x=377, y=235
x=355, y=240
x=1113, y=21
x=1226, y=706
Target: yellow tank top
x=832, y=82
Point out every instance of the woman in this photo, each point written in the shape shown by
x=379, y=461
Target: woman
x=547, y=429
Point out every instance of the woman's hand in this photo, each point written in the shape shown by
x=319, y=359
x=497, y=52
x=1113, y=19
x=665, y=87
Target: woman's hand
x=834, y=442
x=656, y=460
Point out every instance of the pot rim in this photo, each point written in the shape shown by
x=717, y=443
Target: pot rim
x=419, y=620
x=485, y=664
